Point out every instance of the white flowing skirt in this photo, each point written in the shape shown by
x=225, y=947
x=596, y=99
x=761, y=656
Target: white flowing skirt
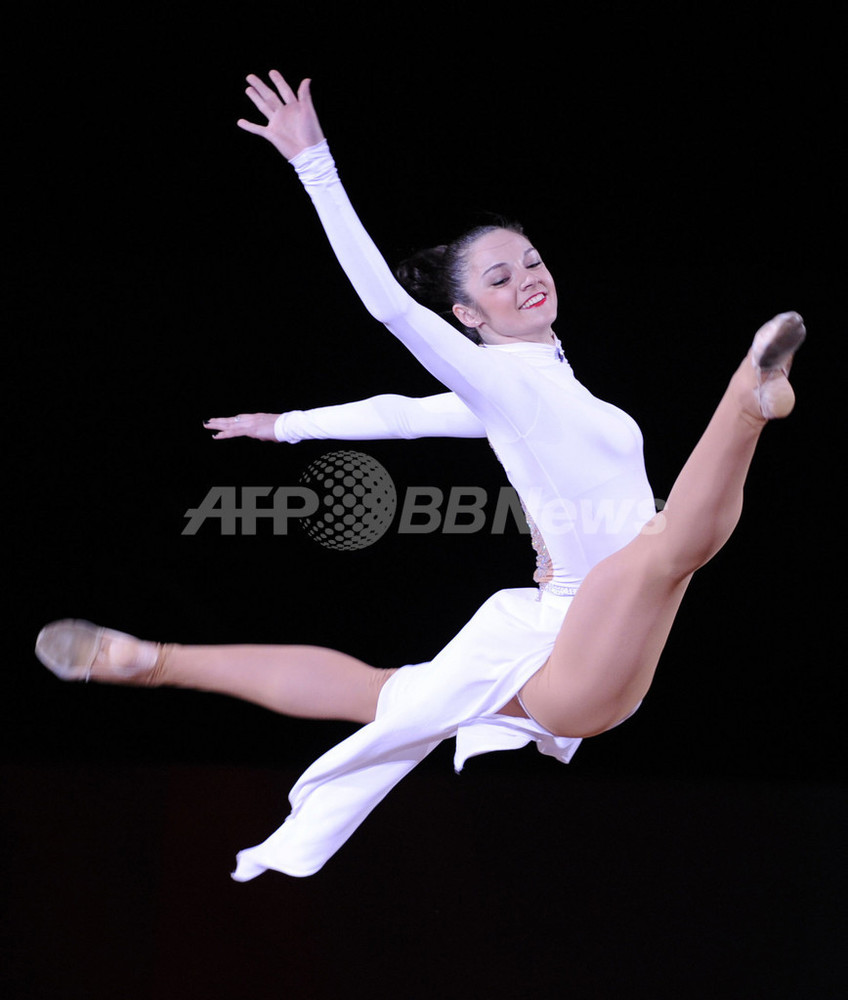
x=458, y=693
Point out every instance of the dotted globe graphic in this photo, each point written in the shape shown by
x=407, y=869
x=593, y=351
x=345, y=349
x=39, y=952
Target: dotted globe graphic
x=356, y=500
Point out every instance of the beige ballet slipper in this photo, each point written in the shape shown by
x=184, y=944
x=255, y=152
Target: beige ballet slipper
x=771, y=355
x=76, y=650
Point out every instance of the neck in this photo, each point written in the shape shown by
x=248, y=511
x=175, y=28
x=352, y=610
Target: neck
x=546, y=337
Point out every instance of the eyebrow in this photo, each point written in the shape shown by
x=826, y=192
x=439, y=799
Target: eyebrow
x=503, y=263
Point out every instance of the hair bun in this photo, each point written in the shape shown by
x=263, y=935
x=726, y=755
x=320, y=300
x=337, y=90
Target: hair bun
x=436, y=277
x=423, y=276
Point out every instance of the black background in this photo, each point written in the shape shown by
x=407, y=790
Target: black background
x=684, y=178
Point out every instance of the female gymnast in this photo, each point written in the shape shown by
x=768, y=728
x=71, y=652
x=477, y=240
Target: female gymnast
x=552, y=664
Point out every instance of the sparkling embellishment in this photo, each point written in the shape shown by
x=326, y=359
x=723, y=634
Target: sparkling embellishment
x=544, y=573
x=558, y=589
x=544, y=566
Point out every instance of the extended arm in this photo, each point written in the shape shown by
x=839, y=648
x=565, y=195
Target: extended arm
x=378, y=418
x=381, y=418
x=294, y=130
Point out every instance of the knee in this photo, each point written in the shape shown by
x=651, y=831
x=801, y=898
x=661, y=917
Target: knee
x=675, y=556
x=663, y=560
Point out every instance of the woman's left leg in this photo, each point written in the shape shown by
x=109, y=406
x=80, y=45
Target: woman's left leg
x=305, y=681
x=607, y=651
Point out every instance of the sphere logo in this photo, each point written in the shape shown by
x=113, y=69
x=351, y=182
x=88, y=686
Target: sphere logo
x=356, y=500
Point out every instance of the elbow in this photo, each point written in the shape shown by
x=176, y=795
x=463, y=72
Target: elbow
x=390, y=309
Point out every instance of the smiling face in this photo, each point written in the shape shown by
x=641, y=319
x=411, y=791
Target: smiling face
x=510, y=293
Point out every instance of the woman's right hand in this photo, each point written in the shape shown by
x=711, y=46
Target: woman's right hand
x=253, y=425
x=292, y=121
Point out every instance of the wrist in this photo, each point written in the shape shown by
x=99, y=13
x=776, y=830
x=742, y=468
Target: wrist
x=314, y=164
x=280, y=427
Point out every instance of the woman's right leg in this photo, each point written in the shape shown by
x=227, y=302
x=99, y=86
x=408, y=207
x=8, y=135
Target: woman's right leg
x=305, y=681
x=605, y=656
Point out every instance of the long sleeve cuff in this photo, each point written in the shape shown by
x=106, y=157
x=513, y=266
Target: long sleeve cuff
x=315, y=165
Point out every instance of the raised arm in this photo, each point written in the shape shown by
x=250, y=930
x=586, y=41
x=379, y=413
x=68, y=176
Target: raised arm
x=383, y=417
x=294, y=130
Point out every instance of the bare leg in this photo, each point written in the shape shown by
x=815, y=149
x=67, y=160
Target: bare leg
x=306, y=681
x=607, y=651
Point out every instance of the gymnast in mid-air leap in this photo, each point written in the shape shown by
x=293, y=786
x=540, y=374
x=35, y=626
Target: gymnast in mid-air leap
x=555, y=663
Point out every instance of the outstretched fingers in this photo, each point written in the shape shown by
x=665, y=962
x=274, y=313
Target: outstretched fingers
x=283, y=89
x=262, y=96
x=292, y=124
x=225, y=426
x=268, y=100
x=254, y=425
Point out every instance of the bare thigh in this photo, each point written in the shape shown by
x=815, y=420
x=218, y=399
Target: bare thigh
x=607, y=650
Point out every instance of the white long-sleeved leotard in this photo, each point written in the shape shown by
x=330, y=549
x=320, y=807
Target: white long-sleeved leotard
x=577, y=464
x=381, y=417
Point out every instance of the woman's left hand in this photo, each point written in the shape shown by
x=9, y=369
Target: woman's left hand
x=292, y=122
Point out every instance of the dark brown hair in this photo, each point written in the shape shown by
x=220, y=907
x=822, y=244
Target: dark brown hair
x=436, y=277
